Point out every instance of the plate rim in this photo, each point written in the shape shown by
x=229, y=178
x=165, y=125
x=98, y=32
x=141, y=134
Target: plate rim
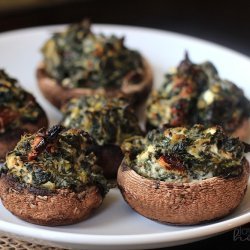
x=51, y=27
x=76, y=238
x=163, y=237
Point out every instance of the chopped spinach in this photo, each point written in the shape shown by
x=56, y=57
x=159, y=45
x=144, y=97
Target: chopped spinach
x=16, y=105
x=109, y=121
x=195, y=93
x=57, y=158
x=77, y=57
x=190, y=154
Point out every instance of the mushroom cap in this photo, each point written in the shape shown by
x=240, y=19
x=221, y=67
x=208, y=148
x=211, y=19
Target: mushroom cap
x=182, y=203
x=59, y=95
x=49, y=208
x=9, y=139
x=109, y=159
x=243, y=131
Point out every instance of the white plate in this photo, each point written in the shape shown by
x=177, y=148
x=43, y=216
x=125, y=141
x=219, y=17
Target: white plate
x=115, y=225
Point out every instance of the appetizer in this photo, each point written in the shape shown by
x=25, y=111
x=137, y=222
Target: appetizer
x=19, y=113
x=51, y=177
x=184, y=176
x=108, y=121
x=194, y=93
x=78, y=62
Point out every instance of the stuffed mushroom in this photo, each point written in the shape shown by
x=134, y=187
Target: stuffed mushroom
x=78, y=62
x=108, y=121
x=51, y=177
x=184, y=176
x=194, y=93
x=20, y=113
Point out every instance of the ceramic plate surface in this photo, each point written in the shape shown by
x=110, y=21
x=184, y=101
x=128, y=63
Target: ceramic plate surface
x=115, y=225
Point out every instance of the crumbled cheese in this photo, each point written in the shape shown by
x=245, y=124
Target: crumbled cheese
x=211, y=130
x=144, y=155
x=200, y=175
x=49, y=185
x=209, y=97
x=190, y=154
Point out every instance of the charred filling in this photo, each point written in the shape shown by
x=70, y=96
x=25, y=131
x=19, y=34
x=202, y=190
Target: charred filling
x=185, y=155
x=17, y=107
x=196, y=94
x=109, y=121
x=54, y=159
x=77, y=57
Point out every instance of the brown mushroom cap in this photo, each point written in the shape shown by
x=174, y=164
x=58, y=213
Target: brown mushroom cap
x=109, y=159
x=9, y=139
x=185, y=203
x=59, y=95
x=243, y=131
x=60, y=207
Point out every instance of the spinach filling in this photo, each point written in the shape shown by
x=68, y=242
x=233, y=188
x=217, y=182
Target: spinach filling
x=54, y=159
x=16, y=105
x=185, y=155
x=195, y=93
x=109, y=121
x=77, y=57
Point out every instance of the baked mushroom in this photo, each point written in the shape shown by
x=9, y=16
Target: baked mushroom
x=19, y=113
x=194, y=93
x=78, y=62
x=184, y=176
x=51, y=178
x=108, y=121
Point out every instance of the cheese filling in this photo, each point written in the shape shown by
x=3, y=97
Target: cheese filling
x=195, y=94
x=185, y=155
x=54, y=160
